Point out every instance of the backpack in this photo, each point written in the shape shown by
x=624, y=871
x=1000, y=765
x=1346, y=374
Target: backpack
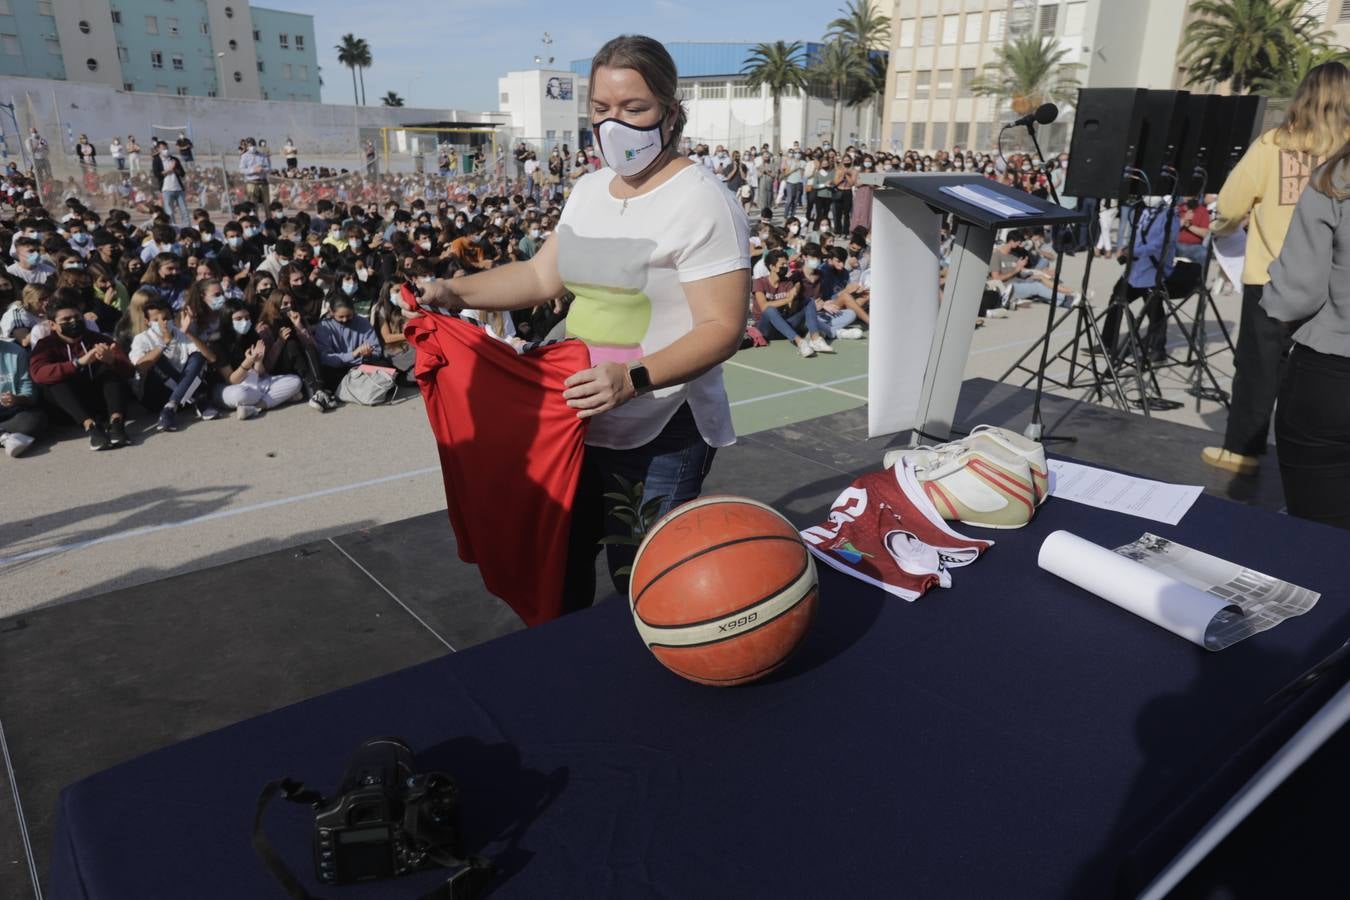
x=368, y=385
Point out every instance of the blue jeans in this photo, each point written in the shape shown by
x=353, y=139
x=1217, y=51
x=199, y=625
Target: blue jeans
x=1193, y=252
x=173, y=202
x=772, y=320
x=832, y=323
x=180, y=384
x=793, y=199
x=671, y=466
x=1035, y=290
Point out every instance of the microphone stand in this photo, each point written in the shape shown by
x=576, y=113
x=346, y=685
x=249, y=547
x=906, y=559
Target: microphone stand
x=1036, y=428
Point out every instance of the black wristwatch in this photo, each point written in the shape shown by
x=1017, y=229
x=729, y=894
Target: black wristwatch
x=642, y=382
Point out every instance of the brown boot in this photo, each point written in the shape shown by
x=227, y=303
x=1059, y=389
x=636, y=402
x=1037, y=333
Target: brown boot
x=1236, y=463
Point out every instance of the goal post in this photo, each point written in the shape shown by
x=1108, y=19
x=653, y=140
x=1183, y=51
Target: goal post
x=405, y=148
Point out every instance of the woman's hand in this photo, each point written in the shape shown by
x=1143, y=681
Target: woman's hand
x=598, y=389
x=440, y=292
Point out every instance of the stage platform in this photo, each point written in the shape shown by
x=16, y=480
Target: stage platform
x=95, y=682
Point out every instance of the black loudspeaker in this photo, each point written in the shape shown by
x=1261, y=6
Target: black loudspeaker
x=1157, y=124
x=1198, y=134
x=1249, y=114
x=1101, y=147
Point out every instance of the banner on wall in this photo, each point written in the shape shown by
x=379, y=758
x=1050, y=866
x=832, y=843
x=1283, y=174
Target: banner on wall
x=558, y=88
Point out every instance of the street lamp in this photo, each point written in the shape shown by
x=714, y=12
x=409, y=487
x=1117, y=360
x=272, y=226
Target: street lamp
x=220, y=73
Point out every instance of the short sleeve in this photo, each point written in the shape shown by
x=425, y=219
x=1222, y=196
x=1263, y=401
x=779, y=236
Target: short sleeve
x=719, y=235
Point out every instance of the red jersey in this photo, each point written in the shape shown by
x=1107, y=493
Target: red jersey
x=511, y=451
x=885, y=531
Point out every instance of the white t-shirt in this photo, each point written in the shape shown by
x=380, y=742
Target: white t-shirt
x=626, y=264
x=176, y=351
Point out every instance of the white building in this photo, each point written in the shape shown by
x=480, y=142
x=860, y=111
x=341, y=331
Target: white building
x=547, y=107
x=938, y=47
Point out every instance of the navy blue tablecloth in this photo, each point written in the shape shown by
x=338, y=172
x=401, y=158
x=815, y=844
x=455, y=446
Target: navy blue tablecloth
x=1012, y=736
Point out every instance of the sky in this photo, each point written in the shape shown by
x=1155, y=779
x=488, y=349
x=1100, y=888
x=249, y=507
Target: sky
x=449, y=53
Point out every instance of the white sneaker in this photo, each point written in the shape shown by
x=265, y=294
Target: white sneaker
x=16, y=444
x=316, y=402
x=244, y=411
x=997, y=312
x=994, y=443
x=974, y=485
x=851, y=333
x=820, y=345
x=805, y=349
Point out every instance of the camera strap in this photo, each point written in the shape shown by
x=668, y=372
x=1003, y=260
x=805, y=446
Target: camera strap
x=467, y=884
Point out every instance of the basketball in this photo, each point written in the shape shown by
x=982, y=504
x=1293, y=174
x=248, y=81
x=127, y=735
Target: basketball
x=723, y=590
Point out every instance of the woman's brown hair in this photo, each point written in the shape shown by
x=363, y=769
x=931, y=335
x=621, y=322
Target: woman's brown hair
x=1318, y=118
x=653, y=62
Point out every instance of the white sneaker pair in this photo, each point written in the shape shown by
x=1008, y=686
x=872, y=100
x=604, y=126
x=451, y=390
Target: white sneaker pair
x=15, y=444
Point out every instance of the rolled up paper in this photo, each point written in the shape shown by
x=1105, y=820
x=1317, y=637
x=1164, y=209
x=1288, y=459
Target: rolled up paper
x=1166, y=602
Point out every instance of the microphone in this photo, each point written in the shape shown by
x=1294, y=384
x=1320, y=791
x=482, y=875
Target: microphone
x=1044, y=115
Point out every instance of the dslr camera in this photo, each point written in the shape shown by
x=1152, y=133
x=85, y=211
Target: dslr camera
x=385, y=819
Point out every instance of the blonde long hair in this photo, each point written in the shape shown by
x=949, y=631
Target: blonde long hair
x=135, y=314
x=1318, y=118
x=1325, y=180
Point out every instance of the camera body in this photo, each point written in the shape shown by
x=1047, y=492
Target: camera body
x=385, y=819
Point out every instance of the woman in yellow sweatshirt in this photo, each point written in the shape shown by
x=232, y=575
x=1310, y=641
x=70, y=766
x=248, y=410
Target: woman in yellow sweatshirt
x=1262, y=191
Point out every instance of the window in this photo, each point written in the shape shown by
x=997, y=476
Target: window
x=45, y=8
x=299, y=42
x=53, y=46
x=211, y=92
x=550, y=135
x=151, y=25
x=974, y=21
x=709, y=90
x=257, y=35
x=1345, y=12
x=117, y=20
x=983, y=131
x=229, y=12
x=940, y=136
x=9, y=44
x=1049, y=18
x=996, y=20
x=123, y=55
x=285, y=41
x=951, y=29
x=902, y=85
x=177, y=62
x=687, y=90
x=304, y=73
x=182, y=92
x=928, y=31
x=234, y=45
x=918, y=139
x=923, y=86
x=567, y=137
x=944, y=84
x=1074, y=14
x=172, y=25
x=286, y=71
x=83, y=25
x=238, y=76
x=91, y=64
x=128, y=86
x=156, y=59
x=505, y=98
x=962, y=134
x=260, y=66
x=906, y=32
x=967, y=79
x=742, y=90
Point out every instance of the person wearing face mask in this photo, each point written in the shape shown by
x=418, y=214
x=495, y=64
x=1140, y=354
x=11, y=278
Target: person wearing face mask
x=83, y=374
x=655, y=251
x=170, y=176
x=347, y=286
x=204, y=302
x=841, y=206
x=245, y=385
x=780, y=308
x=28, y=265
x=528, y=245
x=346, y=340
x=467, y=250
x=822, y=188
x=236, y=258
x=291, y=349
x=172, y=362
x=21, y=418
x=256, y=166
x=862, y=198
x=165, y=275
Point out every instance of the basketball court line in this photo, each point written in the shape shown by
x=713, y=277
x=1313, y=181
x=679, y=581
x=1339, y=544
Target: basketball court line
x=809, y=384
x=798, y=390
x=380, y=584
x=209, y=517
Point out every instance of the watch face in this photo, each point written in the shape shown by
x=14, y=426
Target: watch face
x=641, y=380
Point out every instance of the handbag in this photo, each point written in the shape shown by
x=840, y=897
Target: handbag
x=368, y=385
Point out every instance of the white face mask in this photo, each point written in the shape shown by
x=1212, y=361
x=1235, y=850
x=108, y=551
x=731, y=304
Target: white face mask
x=627, y=149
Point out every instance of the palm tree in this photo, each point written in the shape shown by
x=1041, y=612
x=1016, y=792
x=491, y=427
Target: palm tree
x=363, y=60
x=1028, y=71
x=778, y=67
x=349, y=54
x=1286, y=80
x=391, y=99
x=833, y=71
x=1240, y=41
x=867, y=32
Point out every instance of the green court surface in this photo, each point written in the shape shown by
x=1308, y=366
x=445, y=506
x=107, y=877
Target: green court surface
x=773, y=386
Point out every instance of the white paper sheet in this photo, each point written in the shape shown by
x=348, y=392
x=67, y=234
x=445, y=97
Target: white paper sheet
x=1156, y=500
x=1164, y=601
x=1230, y=252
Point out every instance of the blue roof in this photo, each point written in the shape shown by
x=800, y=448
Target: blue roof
x=707, y=60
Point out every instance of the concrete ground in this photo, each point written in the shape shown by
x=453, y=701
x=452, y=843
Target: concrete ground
x=78, y=523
